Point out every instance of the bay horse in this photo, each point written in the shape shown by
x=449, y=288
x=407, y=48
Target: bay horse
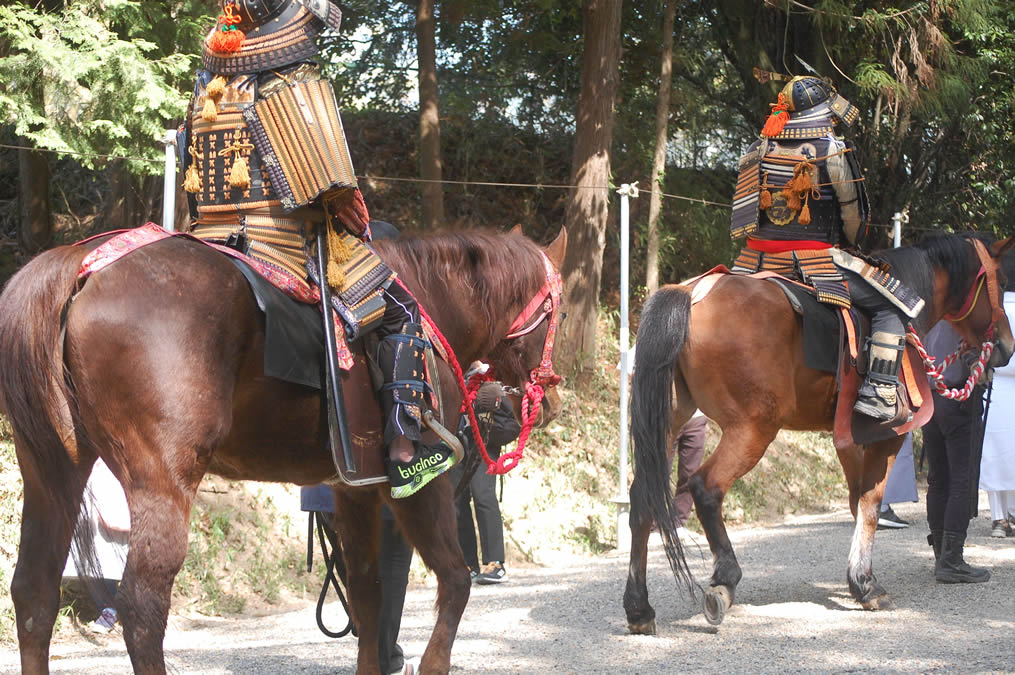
x=157, y=367
x=737, y=355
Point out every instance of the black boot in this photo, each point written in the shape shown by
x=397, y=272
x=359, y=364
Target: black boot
x=951, y=568
x=934, y=539
x=877, y=396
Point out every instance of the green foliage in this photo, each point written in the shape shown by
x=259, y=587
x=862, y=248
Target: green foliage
x=98, y=77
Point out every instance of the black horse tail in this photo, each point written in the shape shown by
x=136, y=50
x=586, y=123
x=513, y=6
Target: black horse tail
x=34, y=391
x=661, y=336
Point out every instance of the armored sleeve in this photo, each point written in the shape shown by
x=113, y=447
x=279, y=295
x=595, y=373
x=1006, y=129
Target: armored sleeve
x=843, y=178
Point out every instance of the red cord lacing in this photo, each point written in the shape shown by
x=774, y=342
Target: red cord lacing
x=540, y=377
x=936, y=372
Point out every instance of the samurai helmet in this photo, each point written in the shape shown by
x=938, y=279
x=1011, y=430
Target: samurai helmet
x=814, y=96
x=256, y=35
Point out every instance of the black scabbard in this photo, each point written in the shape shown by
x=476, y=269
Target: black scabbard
x=338, y=424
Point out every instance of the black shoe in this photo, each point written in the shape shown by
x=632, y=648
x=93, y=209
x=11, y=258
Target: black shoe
x=888, y=520
x=493, y=573
x=876, y=401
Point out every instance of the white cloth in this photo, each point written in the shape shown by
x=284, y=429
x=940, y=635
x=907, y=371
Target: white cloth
x=109, y=520
x=997, y=467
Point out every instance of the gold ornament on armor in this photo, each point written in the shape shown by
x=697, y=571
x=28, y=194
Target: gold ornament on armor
x=212, y=95
x=192, y=179
x=239, y=173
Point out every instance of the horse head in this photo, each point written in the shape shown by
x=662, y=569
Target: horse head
x=977, y=313
x=523, y=360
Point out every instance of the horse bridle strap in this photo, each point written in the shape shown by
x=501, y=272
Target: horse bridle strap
x=990, y=265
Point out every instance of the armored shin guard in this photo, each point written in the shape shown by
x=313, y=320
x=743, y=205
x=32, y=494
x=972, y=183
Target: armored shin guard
x=400, y=358
x=877, y=395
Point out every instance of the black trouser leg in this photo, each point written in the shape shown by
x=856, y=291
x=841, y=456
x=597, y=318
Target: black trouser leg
x=947, y=443
x=488, y=519
x=395, y=559
x=463, y=511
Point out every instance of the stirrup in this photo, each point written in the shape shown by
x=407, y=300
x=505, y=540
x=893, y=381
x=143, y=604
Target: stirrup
x=428, y=462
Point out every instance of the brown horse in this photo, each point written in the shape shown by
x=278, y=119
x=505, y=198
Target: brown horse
x=157, y=367
x=737, y=355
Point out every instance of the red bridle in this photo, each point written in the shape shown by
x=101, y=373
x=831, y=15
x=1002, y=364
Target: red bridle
x=545, y=303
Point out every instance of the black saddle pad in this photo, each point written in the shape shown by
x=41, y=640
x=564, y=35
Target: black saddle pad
x=293, y=333
x=821, y=328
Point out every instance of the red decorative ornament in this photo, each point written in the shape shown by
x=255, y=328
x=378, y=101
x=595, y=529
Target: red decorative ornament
x=227, y=38
x=777, y=120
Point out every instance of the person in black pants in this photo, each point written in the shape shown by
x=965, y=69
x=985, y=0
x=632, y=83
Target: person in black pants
x=498, y=427
x=948, y=445
x=395, y=560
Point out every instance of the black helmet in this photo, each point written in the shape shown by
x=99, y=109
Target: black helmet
x=275, y=33
x=812, y=97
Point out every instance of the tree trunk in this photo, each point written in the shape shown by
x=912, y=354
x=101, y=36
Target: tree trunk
x=659, y=158
x=35, y=231
x=429, y=120
x=590, y=170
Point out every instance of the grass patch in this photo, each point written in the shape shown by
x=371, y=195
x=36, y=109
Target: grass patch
x=11, y=495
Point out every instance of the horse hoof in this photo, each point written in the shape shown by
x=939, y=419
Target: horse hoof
x=876, y=598
x=717, y=600
x=643, y=628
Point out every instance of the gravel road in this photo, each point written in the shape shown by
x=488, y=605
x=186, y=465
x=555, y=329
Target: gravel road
x=793, y=614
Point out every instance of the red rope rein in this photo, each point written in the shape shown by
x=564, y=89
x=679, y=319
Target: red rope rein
x=936, y=372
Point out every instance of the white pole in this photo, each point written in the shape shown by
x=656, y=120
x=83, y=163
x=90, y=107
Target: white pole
x=622, y=499
x=897, y=230
x=169, y=182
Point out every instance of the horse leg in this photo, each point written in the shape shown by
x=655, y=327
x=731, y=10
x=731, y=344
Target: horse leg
x=428, y=521
x=160, y=524
x=640, y=614
x=45, y=542
x=641, y=617
x=851, y=459
x=357, y=522
x=738, y=452
x=877, y=462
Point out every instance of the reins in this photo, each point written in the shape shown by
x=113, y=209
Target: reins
x=936, y=372
x=987, y=276
x=540, y=378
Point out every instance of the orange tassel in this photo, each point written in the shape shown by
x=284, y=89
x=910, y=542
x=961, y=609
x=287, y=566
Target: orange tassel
x=227, y=38
x=766, y=199
x=216, y=88
x=239, y=174
x=210, y=112
x=805, y=215
x=777, y=120
x=192, y=180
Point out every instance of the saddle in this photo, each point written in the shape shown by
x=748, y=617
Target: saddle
x=294, y=341
x=832, y=339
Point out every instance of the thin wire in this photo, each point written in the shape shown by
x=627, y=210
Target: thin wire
x=81, y=154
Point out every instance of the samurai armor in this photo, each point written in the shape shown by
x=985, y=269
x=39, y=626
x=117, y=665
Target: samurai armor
x=277, y=33
x=298, y=133
x=745, y=199
x=884, y=283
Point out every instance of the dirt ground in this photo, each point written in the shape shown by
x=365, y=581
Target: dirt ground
x=793, y=613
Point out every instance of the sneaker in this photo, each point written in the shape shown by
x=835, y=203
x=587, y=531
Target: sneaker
x=1000, y=529
x=428, y=462
x=493, y=573
x=473, y=573
x=106, y=621
x=888, y=519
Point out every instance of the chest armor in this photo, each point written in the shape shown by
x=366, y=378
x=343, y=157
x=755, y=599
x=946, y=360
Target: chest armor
x=286, y=132
x=767, y=167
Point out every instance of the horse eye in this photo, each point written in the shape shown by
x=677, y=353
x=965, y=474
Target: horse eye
x=563, y=315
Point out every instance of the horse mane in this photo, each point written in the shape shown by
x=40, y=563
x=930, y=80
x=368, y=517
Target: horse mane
x=915, y=266
x=487, y=263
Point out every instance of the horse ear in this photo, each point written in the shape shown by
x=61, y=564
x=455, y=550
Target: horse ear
x=999, y=248
x=517, y=229
x=555, y=251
